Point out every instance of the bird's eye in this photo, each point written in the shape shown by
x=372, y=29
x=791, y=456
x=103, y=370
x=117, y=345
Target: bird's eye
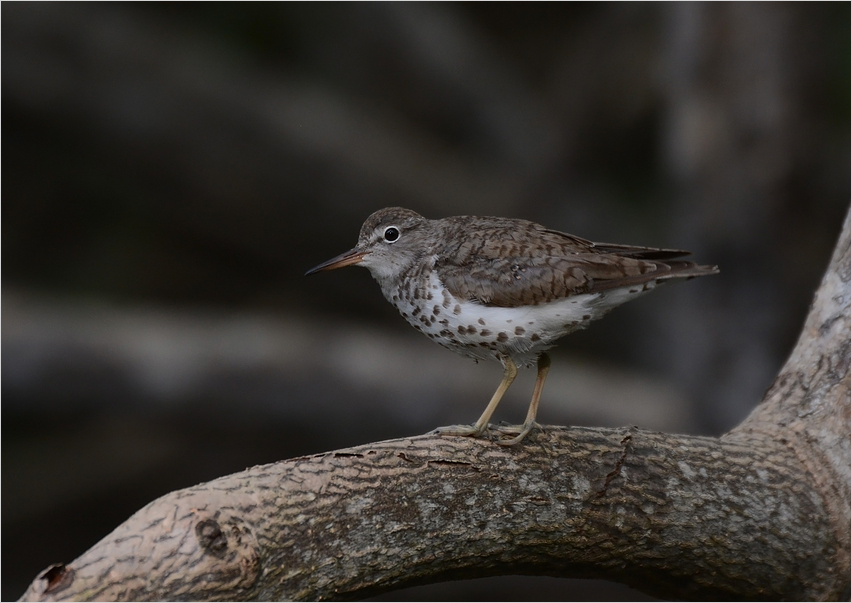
x=391, y=234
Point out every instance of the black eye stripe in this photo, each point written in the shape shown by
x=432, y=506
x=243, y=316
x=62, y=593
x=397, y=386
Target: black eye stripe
x=391, y=234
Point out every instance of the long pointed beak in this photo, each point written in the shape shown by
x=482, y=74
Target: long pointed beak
x=353, y=256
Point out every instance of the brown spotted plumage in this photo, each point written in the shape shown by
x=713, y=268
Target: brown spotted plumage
x=500, y=288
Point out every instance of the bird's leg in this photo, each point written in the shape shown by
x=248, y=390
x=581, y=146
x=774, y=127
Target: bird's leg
x=510, y=371
x=529, y=422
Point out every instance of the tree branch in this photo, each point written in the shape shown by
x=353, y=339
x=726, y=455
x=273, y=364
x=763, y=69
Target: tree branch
x=761, y=513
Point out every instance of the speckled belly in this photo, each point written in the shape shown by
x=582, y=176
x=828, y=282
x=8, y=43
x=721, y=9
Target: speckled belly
x=490, y=332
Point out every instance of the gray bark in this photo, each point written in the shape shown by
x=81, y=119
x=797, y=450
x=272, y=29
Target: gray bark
x=760, y=513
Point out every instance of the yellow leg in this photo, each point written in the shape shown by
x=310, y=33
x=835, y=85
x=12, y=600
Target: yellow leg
x=510, y=371
x=529, y=422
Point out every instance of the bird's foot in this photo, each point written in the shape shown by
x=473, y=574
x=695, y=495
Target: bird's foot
x=459, y=430
x=520, y=432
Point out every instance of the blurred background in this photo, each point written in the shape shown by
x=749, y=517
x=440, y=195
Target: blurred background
x=171, y=170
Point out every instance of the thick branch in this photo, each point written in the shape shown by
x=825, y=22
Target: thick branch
x=761, y=513
x=807, y=408
x=679, y=516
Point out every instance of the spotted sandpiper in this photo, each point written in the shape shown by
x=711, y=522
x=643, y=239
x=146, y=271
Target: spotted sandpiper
x=501, y=288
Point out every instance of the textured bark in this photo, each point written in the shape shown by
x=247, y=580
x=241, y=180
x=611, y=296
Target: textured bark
x=761, y=513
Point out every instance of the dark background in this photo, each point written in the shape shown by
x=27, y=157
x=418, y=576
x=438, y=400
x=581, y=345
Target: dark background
x=171, y=170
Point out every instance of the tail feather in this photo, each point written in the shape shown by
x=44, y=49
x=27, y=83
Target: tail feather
x=684, y=269
x=640, y=253
x=666, y=271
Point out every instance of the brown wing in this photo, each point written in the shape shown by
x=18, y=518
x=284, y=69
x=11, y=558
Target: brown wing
x=501, y=267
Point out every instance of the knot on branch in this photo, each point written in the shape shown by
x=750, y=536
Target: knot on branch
x=211, y=538
x=231, y=558
x=55, y=578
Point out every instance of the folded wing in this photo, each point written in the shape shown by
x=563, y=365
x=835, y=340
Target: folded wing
x=508, y=271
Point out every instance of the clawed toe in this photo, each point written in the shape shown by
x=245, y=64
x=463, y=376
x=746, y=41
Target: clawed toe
x=508, y=429
x=521, y=430
x=458, y=430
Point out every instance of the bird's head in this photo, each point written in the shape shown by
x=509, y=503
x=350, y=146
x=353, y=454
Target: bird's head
x=391, y=239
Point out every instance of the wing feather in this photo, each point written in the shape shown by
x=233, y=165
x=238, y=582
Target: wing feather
x=501, y=267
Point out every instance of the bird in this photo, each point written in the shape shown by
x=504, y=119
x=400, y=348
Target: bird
x=504, y=289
